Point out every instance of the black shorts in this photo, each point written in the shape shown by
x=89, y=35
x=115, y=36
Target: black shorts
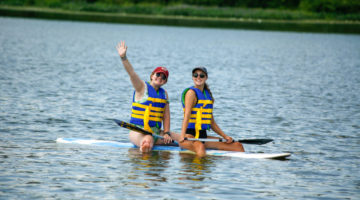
x=203, y=133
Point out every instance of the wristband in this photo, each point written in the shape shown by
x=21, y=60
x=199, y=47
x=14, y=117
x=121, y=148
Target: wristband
x=123, y=58
x=167, y=133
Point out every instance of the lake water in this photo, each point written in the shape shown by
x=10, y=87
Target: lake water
x=65, y=79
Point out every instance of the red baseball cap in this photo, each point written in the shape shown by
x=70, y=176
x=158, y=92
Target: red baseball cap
x=162, y=70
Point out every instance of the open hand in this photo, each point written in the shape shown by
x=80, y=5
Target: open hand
x=121, y=48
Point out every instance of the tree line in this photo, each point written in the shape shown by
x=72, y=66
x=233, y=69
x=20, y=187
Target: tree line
x=319, y=6
x=335, y=6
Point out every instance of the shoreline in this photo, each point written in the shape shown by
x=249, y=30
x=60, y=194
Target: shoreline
x=315, y=26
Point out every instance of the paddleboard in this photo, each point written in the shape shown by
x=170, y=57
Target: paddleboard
x=212, y=152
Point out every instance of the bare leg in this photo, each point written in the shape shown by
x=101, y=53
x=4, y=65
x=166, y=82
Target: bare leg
x=145, y=142
x=235, y=146
x=195, y=146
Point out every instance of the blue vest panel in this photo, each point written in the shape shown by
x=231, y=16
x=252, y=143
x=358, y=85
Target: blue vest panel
x=201, y=113
x=150, y=111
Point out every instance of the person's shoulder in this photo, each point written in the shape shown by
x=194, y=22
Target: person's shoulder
x=192, y=88
x=145, y=83
x=190, y=92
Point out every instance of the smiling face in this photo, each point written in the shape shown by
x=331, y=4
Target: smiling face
x=199, y=78
x=158, y=79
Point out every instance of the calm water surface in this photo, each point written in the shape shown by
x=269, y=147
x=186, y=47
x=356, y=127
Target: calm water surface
x=65, y=79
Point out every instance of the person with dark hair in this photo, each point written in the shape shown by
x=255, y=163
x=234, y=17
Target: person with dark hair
x=198, y=104
x=150, y=105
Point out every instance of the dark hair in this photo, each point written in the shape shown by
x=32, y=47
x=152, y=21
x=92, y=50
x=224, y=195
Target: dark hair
x=152, y=73
x=206, y=87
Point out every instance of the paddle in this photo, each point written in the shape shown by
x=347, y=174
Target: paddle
x=137, y=129
x=245, y=141
x=132, y=127
x=140, y=130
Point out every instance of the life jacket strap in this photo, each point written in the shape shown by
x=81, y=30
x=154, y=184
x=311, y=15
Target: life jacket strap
x=146, y=119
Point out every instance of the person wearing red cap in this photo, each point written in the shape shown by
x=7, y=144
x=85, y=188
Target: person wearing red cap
x=197, y=104
x=150, y=106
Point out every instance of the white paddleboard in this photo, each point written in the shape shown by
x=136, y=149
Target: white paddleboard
x=173, y=148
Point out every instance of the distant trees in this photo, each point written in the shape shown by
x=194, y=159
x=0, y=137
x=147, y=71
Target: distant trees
x=319, y=6
x=336, y=6
x=246, y=3
x=332, y=6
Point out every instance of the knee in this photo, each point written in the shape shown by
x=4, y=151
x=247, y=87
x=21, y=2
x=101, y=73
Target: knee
x=239, y=146
x=200, y=149
x=148, y=138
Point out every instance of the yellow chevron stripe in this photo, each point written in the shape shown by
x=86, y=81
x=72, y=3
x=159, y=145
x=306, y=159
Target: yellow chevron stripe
x=156, y=119
x=202, y=121
x=155, y=114
x=139, y=105
x=202, y=116
x=205, y=110
x=156, y=100
x=205, y=101
x=145, y=106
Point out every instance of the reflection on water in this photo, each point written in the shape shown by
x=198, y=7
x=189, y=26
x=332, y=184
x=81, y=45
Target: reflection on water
x=147, y=166
x=195, y=168
x=152, y=166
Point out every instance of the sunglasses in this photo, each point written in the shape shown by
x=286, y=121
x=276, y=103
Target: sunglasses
x=195, y=75
x=163, y=77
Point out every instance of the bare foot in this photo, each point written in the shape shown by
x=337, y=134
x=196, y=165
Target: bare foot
x=145, y=146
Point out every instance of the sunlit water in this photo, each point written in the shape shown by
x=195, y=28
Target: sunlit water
x=65, y=79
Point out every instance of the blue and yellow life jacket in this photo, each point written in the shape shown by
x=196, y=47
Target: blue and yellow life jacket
x=151, y=112
x=201, y=113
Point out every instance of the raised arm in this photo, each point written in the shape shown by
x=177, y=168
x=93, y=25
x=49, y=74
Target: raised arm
x=137, y=83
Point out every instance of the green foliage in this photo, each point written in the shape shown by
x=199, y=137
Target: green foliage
x=289, y=4
x=331, y=6
x=226, y=12
x=13, y=2
x=48, y=3
x=259, y=9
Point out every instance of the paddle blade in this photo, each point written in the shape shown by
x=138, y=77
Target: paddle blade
x=131, y=127
x=245, y=141
x=137, y=129
x=255, y=141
